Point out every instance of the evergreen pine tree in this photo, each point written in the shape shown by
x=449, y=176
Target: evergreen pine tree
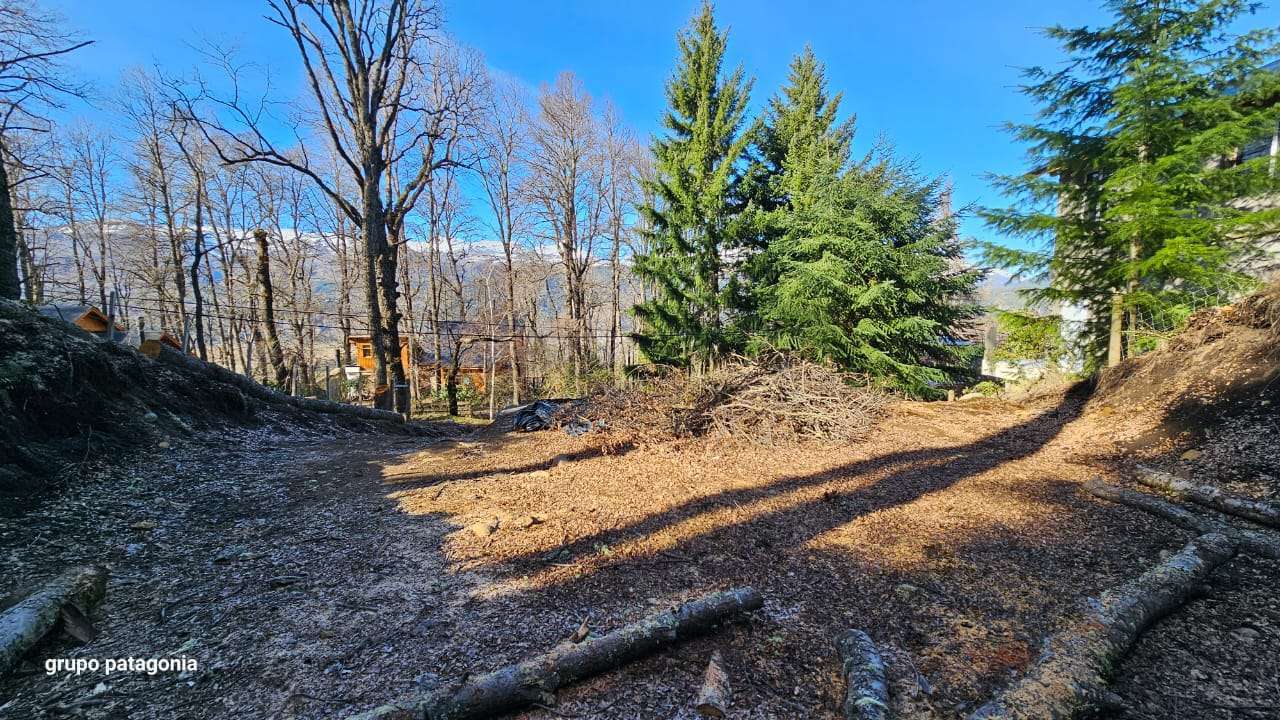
x=692, y=220
x=867, y=277
x=800, y=132
x=857, y=266
x=1135, y=185
x=800, y=143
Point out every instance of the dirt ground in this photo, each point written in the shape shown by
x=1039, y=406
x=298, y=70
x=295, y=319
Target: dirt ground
x=322, y=573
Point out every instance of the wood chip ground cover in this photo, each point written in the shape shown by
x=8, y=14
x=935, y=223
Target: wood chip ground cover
x=318, y=574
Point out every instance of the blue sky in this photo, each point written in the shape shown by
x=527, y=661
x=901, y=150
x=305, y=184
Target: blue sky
x=935, y=77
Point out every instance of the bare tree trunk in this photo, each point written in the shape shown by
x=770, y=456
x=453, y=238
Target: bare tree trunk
x=77, y=242
x=32, y=284
x=344, y=304
x=1131, y=292
x=511, y=332
x=373, y=231
x=197, y=256
x=273, y=351
x=30, y=271
x=383, y=300
x=1115, y=342
x=226, y=349
x=9, y=286
x=406, y=282
x=493, y=357
x=615, y=287
x=175, y=246
x=451, y=385
x=391, y=328
x=435, y=277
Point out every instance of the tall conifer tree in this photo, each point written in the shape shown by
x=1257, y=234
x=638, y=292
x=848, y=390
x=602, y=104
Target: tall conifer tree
x=1138, y=166
x=858, y=266
x=801, y=130
x=800, y=143
x=693, y=221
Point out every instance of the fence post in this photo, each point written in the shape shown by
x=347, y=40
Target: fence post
x=111, y=317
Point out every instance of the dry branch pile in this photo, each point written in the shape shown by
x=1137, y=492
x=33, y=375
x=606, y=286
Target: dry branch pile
x=776, y=399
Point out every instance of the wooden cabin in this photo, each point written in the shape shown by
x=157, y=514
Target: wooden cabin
x=86, y=317
x=151, y=346
x=362, y=351
x=430, y=371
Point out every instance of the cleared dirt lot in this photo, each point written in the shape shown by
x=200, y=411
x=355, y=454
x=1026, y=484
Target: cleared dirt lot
x=320, y=575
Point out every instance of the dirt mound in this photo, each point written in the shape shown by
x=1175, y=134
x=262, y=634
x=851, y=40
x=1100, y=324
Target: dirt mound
x=775, y=399
x=1228, y=353
x=1225, y=364
x=69, y=400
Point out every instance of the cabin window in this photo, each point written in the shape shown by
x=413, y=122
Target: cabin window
x=366, y=351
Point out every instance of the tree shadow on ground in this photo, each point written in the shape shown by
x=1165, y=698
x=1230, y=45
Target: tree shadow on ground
x=413, y=480
x=957, y=621
x=910, y=475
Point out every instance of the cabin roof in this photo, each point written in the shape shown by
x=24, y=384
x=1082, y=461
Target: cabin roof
x=73, y=313
x=70, y=313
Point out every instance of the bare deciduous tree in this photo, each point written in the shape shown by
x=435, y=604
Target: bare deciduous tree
x=363, y=60
x=620, y=150
x=32, y=42
x=503, y=142
x=567, y=183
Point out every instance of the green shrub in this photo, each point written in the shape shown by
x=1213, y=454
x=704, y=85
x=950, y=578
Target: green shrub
x=1029, y=337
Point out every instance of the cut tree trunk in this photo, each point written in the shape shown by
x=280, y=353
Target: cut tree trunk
x=1070, y=679
x=715, y=695
x=536, y=679
x=1211, y=497
x=22, y=625
x=1254, y=542
x=866, y=695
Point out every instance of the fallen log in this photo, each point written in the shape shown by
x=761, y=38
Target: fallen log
x=715, y=695
x=1210, y=497
x=1254, y=542
x=22, y=625
x=1070, y=678
x=866, y=695
x=536, y=679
